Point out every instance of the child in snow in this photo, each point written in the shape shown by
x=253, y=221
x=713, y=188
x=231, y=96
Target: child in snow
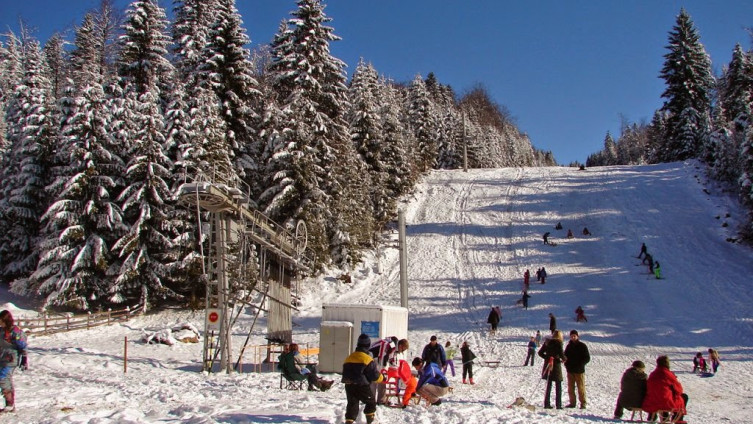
x=699, y=364
x=714, y=359
x=450, y=352
x=531, y=351
x=657, y=270
x=12, y=354
x=580, y=315
x=468, y=357
x=538, y=338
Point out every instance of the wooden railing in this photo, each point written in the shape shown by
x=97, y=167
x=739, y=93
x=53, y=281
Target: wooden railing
x=47, y=324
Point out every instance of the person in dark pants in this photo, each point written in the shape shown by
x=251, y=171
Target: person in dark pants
x=632, y=388
x=531, y=351
x=493, y=320
x=468, y=357
x=525, y=298
x=359, y=371
x=552, y=323
x=553, y=356
x=643, y=251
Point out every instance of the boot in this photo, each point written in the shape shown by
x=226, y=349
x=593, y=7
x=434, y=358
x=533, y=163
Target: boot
x=472, y=381
x=9, y=401
x=464, y=382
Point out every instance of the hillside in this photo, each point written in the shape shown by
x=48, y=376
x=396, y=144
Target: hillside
x=470, y=238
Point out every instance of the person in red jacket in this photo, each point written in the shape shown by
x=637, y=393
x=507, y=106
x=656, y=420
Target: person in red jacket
x=664, y=391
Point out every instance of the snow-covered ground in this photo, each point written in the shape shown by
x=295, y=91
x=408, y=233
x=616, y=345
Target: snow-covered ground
x=470, y=238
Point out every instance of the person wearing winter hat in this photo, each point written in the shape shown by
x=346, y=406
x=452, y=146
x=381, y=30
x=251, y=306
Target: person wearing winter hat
x=577, y=356
x=359, y=371
x=632, y=389
x=434, y=352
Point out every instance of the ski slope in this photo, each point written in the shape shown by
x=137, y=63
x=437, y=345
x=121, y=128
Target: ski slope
x=470, y=238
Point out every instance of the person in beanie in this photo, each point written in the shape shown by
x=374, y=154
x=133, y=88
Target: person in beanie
x=12, y=354
x=632, y=388
x=664, y=392
x=577, y=356
x=359, y=371
x=553, y=356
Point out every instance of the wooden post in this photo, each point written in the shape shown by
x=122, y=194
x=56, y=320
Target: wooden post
x=125, y=355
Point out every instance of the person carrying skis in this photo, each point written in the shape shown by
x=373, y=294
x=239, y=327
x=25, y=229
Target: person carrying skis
x=359, y=371
x=553, y=356
x=531, y=351
x=12, y=354
x=467, y=356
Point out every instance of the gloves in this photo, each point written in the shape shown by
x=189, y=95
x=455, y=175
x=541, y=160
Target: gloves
x=24, y=365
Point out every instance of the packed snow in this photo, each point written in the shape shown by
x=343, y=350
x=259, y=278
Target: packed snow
x=470, y=236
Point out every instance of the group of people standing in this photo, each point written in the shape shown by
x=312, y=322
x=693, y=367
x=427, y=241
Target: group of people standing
x=371, y=364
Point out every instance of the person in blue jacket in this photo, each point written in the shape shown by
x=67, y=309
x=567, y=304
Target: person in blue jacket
x=432, y=384
x=12, y=355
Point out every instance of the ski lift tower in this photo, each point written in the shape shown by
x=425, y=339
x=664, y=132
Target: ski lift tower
x=231, y=219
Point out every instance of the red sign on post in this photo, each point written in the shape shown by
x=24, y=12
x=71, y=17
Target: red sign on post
x=213, y=319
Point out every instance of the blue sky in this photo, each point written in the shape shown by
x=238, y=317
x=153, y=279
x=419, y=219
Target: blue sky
x=565, y=70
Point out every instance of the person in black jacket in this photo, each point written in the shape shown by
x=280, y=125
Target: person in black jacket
x=552, y=323
x=359, y=371
x=468, y=357
x=632, y=388
x=577, y=356
x=493, y=319
x=553, y=356
x=434, y=352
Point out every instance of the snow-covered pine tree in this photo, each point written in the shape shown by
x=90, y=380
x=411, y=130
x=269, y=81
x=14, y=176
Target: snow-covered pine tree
x=395, y=159
x=423, y=124
x=31, y=135
x=146, y=250
x=57, y=66
x=687, y=74
x=315, y=158
x=228, y=71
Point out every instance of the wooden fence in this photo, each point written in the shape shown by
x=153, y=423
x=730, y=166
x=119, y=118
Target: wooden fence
x=57, y=324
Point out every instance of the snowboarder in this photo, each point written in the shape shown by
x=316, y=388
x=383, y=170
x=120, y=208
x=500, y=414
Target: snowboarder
x=552, y=323
x=643, y=251
x=359, y=371
x=577, y=356
x=12, y=355
x=657, y=270
x=467, y=356
x=531, y=351
x=553, y=356
x=714, y=359
x=632, y=389
x=493, y=319
x=546, y=237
